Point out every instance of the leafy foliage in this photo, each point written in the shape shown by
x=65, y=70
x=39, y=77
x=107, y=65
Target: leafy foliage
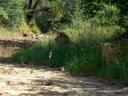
x=11, y=12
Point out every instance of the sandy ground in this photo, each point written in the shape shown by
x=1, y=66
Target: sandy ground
x=16, y=80
x=44, y=81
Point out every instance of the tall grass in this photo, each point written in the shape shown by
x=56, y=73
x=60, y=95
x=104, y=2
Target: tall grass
x=37, y=54
x=82, y=56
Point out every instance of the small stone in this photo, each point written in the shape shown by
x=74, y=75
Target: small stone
x=49, y=83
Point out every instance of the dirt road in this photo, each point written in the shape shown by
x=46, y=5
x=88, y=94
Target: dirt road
x=44, y=81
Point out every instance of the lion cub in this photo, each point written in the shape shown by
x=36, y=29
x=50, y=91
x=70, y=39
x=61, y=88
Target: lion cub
x=61, y=38
x=110, y=52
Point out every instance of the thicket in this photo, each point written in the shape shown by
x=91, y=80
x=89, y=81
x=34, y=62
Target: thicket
x=11, y=13
x=60, y=13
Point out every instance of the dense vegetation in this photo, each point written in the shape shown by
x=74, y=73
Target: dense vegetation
x=87, y=22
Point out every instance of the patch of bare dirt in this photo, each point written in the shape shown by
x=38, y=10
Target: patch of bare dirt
x=10, y=44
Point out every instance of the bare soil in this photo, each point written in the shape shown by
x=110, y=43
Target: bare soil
x=16, y=80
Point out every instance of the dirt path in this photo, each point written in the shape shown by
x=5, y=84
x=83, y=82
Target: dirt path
x=43, y=81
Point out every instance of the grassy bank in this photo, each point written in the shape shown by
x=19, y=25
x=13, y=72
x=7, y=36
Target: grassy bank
x=80, y=57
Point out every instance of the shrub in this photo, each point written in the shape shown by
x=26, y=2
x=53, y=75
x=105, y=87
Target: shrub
x=11, y=12
x=102, y=13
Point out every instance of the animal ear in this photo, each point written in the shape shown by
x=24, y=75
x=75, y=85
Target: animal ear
x=61, y=34
x=112, y=46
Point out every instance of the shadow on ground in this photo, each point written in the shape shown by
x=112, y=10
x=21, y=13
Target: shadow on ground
x=10, y=47
x=16, y=43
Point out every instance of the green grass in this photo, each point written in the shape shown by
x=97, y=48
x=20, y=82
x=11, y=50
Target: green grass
x=82, y=56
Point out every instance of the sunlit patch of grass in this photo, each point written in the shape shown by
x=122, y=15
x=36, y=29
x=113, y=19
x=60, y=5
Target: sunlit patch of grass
x=5, y=33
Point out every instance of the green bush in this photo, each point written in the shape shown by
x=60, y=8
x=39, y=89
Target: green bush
x=102, y=14
x=59, y=15
x=11, y=12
